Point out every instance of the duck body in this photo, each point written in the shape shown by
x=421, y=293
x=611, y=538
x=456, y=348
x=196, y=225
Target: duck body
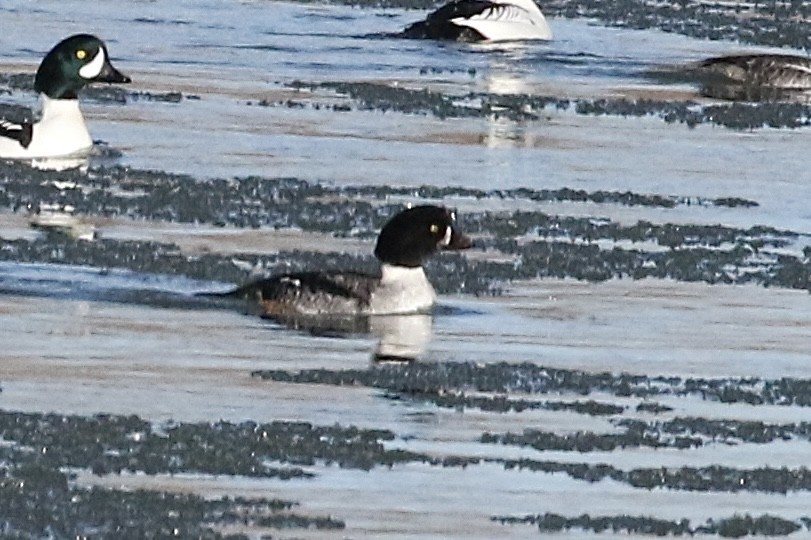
x=755, y=76
x=483, y=20
x=311, y=293
x=394, y=290
x=400, y=287
x=61, y=130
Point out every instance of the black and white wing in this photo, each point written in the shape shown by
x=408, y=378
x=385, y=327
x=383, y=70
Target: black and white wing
x=478, y=20
x=508, y=21
x=309, y=293
x=439, y=24
x=22, y=133
x=501, y=13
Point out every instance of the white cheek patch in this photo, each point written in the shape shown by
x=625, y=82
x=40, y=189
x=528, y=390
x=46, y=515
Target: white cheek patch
x=446, y=240
x=92, y=69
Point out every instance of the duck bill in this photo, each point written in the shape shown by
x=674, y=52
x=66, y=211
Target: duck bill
x=458, y=241
x=110, y=74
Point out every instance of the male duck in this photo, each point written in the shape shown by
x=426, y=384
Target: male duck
x=483, y=20
x=61, y=131
x=402, y=287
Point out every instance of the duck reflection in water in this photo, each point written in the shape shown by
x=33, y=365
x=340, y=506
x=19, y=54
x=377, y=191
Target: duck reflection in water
x=399, y=338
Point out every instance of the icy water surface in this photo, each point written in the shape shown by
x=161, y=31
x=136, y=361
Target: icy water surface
x=624, y=352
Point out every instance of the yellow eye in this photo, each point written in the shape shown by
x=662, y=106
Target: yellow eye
x=434, y=229
x=81, y=54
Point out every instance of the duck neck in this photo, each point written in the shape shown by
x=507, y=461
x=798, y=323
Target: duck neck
x=402, y=289
x=62, y=109
x=406, y=275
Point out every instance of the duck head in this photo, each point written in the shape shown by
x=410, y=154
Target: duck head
x=74, y=63
x=417, y=233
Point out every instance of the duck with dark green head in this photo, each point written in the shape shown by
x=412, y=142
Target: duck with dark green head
x=60, y=131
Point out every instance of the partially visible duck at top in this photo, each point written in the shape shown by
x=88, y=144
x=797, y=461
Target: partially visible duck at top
x=401, y=287
x=483, y=20
x=754, y=76
x=61, y=131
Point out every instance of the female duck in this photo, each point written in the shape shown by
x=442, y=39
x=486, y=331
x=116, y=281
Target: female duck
x=755, y=76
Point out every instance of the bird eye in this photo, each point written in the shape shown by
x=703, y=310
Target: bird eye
x=434, y=229
x=81, y=54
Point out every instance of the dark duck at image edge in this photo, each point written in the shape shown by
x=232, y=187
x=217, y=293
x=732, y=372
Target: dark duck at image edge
x=61, y=131
x=483, y=20
x=754, y=76
x=402, y=287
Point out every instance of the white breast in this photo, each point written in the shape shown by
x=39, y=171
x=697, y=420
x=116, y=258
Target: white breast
x=402, y=290
x=60, y=132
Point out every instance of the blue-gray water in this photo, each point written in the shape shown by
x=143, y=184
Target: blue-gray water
x=77, y=350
